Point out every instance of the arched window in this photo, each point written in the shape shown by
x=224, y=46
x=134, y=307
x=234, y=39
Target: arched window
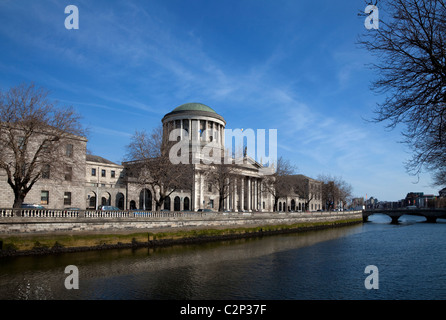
x=186, y=204
x=176, y=204
x=280, y=206
x=120, y=201
x=293, y=204
x=167, y=203
x=92, y=203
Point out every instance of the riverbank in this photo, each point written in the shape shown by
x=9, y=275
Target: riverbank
x=44, y=244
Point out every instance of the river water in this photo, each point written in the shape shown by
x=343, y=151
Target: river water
x=328, y=264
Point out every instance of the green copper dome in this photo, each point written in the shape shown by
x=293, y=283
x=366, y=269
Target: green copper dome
x=193, y=110
x=194, y=107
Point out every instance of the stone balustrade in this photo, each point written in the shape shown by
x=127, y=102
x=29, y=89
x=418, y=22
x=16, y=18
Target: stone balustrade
x=26, y=221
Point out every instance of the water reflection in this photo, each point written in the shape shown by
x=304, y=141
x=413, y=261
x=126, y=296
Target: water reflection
x=43, y=277
x=327, y=264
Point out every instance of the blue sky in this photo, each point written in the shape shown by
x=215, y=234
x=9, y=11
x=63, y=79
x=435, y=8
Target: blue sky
x=262, y=64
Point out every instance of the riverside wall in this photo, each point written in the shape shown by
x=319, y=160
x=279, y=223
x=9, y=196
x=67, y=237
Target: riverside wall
x=90, y=222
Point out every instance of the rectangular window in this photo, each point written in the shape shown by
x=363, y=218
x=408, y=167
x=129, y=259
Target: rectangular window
x=210, y=187
x=68, y=173
x=103, y=173
x=93, y=172
x=44, y=197
x=67, y=198
x=69, y=150
x=112, y=173
x=211, y=203
x=46, y=171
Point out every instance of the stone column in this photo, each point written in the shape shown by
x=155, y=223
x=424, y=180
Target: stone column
x=190, y=129
x=202, y=205
x=222, y=133
x=196, y=129
x=255, y=201
x=248, y=194
x=195, y=193
x=217, y=132
x=234, y=195
x=242, y=193
x=228, y=195
x=261, y=196
x=181, y=129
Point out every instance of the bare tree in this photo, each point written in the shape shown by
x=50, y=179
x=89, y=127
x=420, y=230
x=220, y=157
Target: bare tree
x=33, y=130
x=411, y=51
x=302, y=187
x=278, y=184
x=148, y=157
x=334, y=191
x=221, y=177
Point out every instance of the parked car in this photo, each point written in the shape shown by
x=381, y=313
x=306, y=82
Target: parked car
x=204, y=210
x=32, y=206
x=108, y=208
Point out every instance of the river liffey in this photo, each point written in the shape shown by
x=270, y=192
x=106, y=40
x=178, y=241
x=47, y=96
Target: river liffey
x=410, y=261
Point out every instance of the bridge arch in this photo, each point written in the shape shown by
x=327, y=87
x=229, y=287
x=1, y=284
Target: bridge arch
x=431, y=215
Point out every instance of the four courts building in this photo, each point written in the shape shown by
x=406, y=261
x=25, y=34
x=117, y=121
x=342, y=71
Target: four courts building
x=204, y=127
x=106, y=183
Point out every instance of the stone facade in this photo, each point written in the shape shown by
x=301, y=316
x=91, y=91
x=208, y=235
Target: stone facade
x=306, y=197
x=58, y=188
x=96, y=182
x=168, y=220
x=104, y=185
x=201, y=126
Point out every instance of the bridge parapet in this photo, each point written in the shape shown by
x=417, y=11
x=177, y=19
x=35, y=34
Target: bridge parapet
x=431, y=215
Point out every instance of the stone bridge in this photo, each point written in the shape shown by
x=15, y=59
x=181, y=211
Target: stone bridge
x=431, y=215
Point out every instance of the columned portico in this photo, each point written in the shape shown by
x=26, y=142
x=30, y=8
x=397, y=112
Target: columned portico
x=201, y=125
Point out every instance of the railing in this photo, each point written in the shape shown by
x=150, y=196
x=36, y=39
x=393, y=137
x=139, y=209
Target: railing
x=65, y=213
x=39, y=213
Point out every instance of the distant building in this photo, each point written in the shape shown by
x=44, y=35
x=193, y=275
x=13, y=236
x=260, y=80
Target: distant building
x=358, y=203
x=305, y=195
x=413, y=199
x=371, y=203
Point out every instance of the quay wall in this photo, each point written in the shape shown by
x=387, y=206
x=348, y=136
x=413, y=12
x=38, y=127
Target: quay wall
x=77, y=222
